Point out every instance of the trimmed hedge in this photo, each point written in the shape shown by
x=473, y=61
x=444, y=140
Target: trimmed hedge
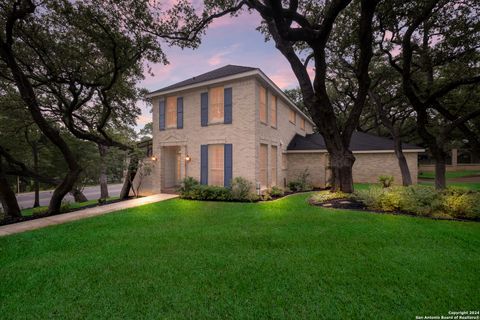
x=240, y=190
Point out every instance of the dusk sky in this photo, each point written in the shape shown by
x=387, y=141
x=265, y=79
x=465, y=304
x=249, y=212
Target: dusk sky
x=227, y=41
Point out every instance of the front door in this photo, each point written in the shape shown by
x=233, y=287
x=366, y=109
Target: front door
x=171, y=167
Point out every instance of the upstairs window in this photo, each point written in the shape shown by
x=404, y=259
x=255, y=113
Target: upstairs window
x=215, y=112
x=292, y=116
x=171, y=112
x=273, y=110
x=302, y=124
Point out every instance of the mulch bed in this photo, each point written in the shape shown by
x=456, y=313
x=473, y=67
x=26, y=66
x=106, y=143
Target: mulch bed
x=341, y=203
x=44, y=215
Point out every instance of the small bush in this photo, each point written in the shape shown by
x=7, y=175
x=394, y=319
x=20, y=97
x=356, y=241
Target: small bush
x=326, y=195
x=301, y=183
x=463, y=206
x=420, y=200
x=187, y=185
x=242, y=190
x=39, y=211
x=65, y=206
x=276, y=191
x=386, y=181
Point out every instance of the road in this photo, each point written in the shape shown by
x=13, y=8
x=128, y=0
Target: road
x=25, y=200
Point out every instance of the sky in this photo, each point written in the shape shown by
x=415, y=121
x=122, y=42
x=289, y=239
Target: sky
x=228, y=40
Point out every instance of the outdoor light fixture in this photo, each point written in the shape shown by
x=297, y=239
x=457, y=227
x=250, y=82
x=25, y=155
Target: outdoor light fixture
x=187, y=158
x=153, y=158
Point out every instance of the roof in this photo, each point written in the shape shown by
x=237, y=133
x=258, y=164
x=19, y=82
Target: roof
x=222, y=72
x=360, y=142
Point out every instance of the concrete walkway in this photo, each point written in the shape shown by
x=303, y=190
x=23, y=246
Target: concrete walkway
x=81, y=214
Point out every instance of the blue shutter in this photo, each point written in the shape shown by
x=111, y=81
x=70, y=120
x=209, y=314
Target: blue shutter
x=204, y=109
x=228, y=165
x=227, y=105
x=179, y=112
x=162, y=114
x=204, y=164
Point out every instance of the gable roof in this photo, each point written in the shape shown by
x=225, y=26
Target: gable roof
x=360, y=142
x=228, y=70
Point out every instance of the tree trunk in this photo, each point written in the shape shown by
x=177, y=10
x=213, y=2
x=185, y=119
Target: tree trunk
x=440, y=170
x=7, y=197
x=341, y=165
x=129, y=176
x=36, y=185
x=78, y=195
x=402, y=161
x=103, y=172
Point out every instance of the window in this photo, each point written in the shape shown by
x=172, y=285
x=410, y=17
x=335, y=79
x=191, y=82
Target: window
x=263, y=161
x=263, y=105
x=274, y=165
x=293, y=116
x=216, y=164
x=302, y=124
x=171, y=112
x=273, y=110
x=215, y=112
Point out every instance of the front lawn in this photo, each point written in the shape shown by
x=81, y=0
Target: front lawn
x=282, y=259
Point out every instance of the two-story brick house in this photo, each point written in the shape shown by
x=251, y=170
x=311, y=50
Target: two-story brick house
x=234, y=121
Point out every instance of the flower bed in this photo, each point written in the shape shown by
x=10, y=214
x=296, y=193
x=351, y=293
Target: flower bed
x=452, y=203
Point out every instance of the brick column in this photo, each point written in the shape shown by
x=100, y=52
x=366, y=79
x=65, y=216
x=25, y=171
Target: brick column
x=454, y=157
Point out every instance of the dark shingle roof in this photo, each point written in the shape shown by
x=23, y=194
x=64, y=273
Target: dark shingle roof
x=225, y=71
x=360, y=142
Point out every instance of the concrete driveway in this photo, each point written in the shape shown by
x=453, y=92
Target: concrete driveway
x=25, y=200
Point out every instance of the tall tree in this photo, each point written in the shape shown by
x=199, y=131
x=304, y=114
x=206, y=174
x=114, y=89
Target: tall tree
x=434, y=46
x=75, y=63
x=302, y=32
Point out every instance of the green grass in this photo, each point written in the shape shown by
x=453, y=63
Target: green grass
x=72, y=205
x=450, y=174
x=283, y=259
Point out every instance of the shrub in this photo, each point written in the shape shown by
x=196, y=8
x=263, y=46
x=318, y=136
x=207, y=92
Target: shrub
x=276, y=191
x=423, y=201
x=242, y=190
x=65, y=206
x=39, y=211
x=187, y=185
x=206, y=192
x=385, y=181
x=464, y=205
x=301, y=183
x=326, y=195
x=371, y=197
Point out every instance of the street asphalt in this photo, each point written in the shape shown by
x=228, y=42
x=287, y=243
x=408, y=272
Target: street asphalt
x=25, y=200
